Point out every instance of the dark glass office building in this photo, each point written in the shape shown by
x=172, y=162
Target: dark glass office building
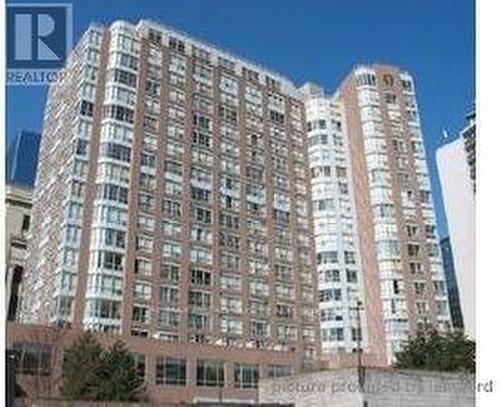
x=451, y=282
x=22, y=158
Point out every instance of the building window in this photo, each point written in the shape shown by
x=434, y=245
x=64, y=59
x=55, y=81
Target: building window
x=112, y=192
x=330, y=295
x=327, y=257
x=349, y=257
x=123, y=77
x=33, y=358
x=250, y=75
x=279, y=371
x=140, y=365
x=210, y=373
x=170, y=371
x=246, y=376
x=397, y=286
x=170, y=272
x=142, y=266
x=390, y=98
x=139, y=332
x=199, y=299
x=419, y=288
x=108, y=260
x=351, y=276
x=415, y=268
x=226, y=64
x=333, y=334
x=356, y=334
x=81, y=147
x=140, y=314
x=87, y=108
x=413, y=250
x=168, y=319
x=169, y=295
x=366, y=79
x=407, y=85
x=101, y=308
x=200, y=277
x=172, y=209
x=202, y=139
x=198, y=321
x=176, y=45
x=329, y=276
x=202, y=122
x=154, y=37
x=119, y=113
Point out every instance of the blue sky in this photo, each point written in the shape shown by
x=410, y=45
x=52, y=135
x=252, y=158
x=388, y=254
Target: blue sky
x=314, y=40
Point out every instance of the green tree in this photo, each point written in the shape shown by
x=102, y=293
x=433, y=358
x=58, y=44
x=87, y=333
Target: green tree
x=118, y=375
x=93, y=373
x=81, y=364
x=450, y=352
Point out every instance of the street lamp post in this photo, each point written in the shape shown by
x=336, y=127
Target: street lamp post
x=359, y=305
x=226, y=345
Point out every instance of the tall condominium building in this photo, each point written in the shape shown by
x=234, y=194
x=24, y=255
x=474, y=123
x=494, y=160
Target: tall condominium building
x=404, y=282
x=341, y=295
x=456, y=162
x=172, y=204
x=202, y=207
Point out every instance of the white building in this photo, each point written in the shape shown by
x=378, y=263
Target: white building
x=457, y=184
x=340, y=275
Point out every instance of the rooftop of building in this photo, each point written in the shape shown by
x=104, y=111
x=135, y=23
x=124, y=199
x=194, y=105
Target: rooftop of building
x=308, y=89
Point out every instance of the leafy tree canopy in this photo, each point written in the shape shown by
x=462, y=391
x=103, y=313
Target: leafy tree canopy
x=91, y=372
x=450, y=352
